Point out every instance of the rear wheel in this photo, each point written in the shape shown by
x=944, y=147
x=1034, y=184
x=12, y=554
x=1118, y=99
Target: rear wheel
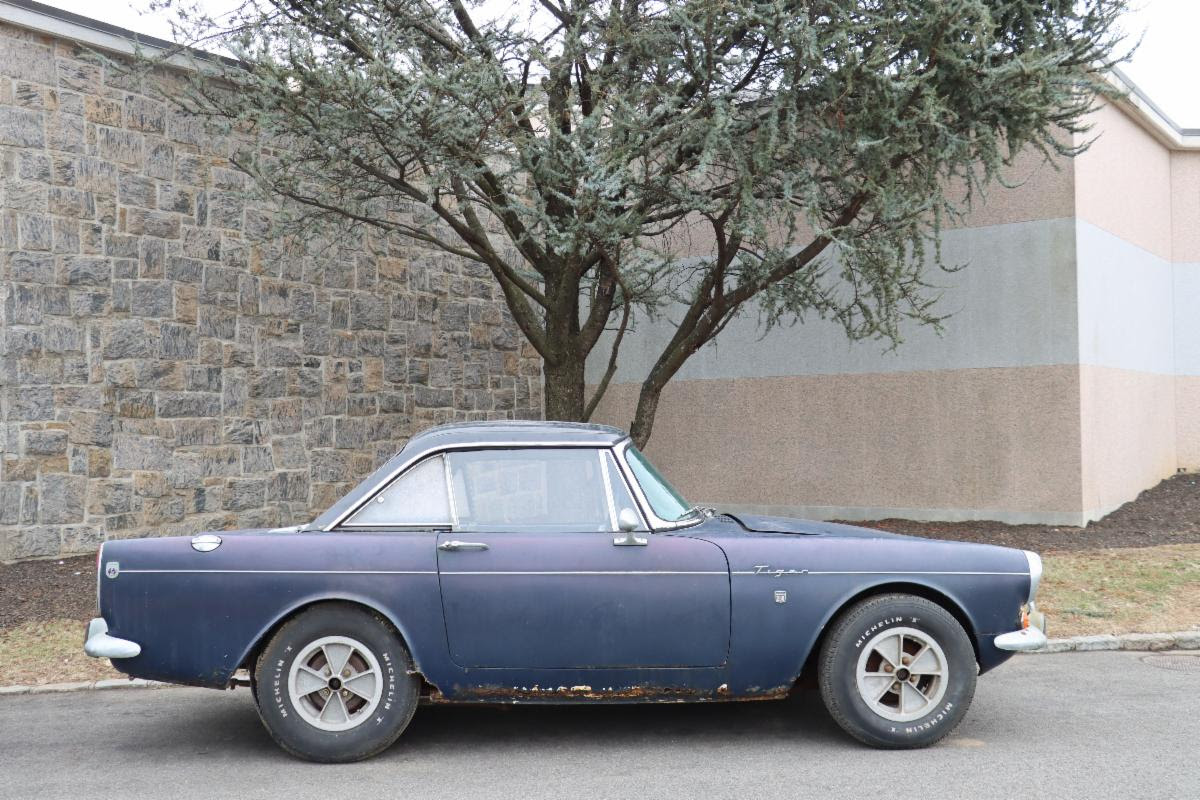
x=897, y=671
x=335, y=685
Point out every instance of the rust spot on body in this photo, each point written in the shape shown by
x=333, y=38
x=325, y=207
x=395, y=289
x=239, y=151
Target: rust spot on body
x=643, y=692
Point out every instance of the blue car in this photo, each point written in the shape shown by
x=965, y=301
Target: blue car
x=542, y=562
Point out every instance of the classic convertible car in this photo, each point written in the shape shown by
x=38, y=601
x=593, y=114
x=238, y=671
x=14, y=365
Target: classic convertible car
x=551, y=563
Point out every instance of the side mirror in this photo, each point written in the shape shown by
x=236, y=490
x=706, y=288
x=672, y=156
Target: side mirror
x=628, y=522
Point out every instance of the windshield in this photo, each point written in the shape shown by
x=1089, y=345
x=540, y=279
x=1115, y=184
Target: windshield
x=667, y=503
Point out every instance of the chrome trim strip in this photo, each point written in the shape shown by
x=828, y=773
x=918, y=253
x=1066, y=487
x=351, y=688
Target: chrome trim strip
x=446, y=448
x=407, y=526
x=284, y=571
x=1035, y=573
x=449, y=491
x=655, y=522
x=776, y=573
x=608, y=493
x=99, y=565
x=588, y=572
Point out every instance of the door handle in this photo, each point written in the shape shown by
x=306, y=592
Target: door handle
x=454, y=544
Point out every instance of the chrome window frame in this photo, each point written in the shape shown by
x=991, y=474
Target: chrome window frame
x=342, y=521
x=656, y=523
x=412, y=526
x=608, y=492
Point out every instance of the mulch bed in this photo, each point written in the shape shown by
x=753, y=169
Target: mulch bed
x=36, y=591
x=1167, y=514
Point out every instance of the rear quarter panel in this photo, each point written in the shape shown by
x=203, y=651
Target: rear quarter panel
x=198, y=616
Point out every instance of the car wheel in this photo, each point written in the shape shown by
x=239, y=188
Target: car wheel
x=897, y=671
x=335, y=684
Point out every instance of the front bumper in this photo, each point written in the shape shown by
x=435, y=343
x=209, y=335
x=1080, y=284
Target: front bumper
x=1032, y=637
x=98, y=644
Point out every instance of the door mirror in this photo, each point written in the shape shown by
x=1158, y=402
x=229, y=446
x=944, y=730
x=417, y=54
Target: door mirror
x=628, y=522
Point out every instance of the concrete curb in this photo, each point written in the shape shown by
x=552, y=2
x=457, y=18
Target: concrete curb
x=1180, y=640
x=83, y=686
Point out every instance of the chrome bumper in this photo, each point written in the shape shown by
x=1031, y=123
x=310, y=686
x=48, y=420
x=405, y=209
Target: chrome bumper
x=1030, y=638
x=99, y=644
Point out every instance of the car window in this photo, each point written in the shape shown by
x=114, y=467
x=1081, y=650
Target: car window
x=531, y=489
x=416, y=498
x=667, y=503
x=620, y=492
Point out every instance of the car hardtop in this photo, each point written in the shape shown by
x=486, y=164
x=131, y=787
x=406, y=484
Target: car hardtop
x=494, y=433
x=519, y=432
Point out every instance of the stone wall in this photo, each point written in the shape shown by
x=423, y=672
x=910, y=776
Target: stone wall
x=168, y=366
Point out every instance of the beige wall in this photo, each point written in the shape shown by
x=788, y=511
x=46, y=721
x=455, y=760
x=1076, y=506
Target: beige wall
x=1033, y=189
x=1123, y=182
x=1187, y=421
x=944, y=444
x=1185, y=206
x=1128, y=434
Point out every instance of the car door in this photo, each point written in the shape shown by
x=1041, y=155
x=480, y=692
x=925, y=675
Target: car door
x=536, y=575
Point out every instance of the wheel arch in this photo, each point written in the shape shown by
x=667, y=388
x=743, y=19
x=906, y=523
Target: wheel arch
x=260, y=640
x=924, y=590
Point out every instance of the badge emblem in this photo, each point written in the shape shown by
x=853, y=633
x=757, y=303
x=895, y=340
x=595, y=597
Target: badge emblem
x=112, y=569
x=780, y=596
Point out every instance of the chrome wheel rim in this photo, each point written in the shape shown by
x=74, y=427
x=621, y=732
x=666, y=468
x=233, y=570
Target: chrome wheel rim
x=902, y=674
x=335, y=683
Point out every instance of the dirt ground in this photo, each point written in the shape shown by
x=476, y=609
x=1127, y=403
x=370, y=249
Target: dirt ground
x=1169, y=513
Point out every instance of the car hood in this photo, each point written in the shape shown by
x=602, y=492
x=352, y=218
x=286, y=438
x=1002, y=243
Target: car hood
x=807, y=527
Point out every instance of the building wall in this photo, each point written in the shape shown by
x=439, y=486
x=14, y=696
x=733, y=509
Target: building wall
x=1067, y=379
x=1137, y=214
x=981, y=421
x=166, y=365
x=1185, y=251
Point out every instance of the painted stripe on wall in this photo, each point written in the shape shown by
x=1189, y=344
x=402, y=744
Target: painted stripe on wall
x=1013, y=306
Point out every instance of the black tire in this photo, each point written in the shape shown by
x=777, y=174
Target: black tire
x=375, y=729
x=869, y=622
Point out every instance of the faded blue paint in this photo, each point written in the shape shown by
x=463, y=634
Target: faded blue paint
x=198, y=627
x=551, y=617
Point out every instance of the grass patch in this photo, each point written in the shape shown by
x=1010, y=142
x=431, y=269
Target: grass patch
x=1127, y=590
x=48, y=652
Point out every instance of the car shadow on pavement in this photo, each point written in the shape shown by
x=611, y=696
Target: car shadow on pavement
x=230, y=728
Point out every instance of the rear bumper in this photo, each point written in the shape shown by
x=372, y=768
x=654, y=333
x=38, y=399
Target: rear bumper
x=98, y=644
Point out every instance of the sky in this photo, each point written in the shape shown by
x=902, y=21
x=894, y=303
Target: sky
x=1164, y=66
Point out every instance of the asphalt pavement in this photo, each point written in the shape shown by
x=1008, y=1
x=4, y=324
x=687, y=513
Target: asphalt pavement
x=1076, y=725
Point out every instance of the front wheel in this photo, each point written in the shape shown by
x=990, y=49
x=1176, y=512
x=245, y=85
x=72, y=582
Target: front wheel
x=335, y=684
x=897, y=671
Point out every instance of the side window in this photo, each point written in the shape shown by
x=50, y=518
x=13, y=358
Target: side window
x=417, y=498
x=535, y=489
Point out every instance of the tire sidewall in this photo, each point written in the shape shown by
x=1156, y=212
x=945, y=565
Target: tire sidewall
x=840, y=656
x=285, y=722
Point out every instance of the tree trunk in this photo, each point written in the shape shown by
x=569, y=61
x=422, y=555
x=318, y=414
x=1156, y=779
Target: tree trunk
x=643, y=418
x=564, y=389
